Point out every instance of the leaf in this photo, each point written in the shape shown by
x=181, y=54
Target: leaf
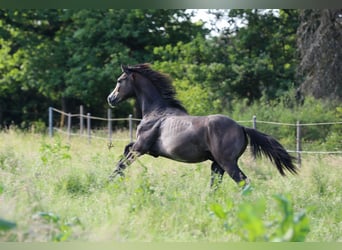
x=218, y=211
x=301, y=227
x=251, y=218
x=6, y=225
x=293, y=227
x=48, y=216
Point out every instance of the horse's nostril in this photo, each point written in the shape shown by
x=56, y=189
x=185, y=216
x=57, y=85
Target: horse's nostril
x=110, y=99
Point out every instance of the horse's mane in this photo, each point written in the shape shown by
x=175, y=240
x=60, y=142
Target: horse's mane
x=161, y=81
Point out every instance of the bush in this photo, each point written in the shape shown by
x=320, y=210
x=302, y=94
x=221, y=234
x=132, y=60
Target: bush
x=288, y=226
x=318, y=137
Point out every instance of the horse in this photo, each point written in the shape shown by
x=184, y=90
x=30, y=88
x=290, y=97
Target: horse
x=167, y=130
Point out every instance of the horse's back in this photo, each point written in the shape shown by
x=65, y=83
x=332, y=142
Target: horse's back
x=223, y=122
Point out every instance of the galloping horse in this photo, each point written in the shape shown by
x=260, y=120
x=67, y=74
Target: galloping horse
x=167, y=130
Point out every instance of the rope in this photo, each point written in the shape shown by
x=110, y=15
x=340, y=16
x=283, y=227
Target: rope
x=277, y=123
x=314, y=152
x=245, y=121
x=94, y=117
x=85, y=135
x=300, y=124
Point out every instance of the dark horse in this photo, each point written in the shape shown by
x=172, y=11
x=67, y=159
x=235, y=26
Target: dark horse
x=167, y=130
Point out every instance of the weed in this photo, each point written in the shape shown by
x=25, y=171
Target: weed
x=6, y=225
x=290, y=226
x=58, y=229
x=76, y=184
x=54, y=154
x=9, y=161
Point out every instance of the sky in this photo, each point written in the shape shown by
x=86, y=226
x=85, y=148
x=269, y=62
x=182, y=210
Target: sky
x=216, y=25
x=208, y=19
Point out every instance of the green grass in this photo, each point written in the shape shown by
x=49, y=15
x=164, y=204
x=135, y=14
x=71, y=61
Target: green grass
x=53, y=190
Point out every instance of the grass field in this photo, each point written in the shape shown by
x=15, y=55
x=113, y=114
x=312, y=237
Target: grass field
x=53, y=190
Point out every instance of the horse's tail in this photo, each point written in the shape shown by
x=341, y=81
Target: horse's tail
x=264, y=144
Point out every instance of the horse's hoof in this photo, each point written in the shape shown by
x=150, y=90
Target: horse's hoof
x=115, y=174
x=246, y=187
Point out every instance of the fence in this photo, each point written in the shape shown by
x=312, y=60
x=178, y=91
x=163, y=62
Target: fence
x=81, y=116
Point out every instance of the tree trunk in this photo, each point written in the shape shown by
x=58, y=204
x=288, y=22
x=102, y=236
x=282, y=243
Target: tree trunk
x=320, y=51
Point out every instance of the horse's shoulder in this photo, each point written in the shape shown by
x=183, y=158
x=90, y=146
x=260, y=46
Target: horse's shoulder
x=148, y=124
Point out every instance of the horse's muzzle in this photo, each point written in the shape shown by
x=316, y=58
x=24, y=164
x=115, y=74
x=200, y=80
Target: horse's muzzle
x=112, y=100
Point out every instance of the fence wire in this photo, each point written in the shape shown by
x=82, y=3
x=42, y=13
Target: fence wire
x=130, y=119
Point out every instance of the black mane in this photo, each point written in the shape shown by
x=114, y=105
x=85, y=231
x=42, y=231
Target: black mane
x=161, y=81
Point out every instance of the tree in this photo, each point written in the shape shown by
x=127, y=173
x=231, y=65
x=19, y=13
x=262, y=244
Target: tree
x=73, y=56
x=320, y=49
x=243, y=62
x=262, y=53
x=199, y=71
x=18, y=101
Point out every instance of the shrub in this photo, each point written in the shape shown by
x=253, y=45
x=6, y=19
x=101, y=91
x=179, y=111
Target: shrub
x=288, y=226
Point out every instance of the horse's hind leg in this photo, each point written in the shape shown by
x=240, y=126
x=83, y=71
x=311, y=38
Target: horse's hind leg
x=232, y=168
x=216, y=175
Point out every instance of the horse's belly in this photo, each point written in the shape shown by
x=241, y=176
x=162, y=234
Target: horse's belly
x=183, y=138
x=182, y=148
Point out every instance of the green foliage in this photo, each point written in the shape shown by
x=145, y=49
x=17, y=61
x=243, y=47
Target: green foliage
x=293, y=226
x=9, y=161
x=77, y=184
x=285, y=110
x=194, y=98
x=253, y=61
x=6, y=225
x=67, y=57
x=253, y=228
x=55, y=154
x=333, y=141
x=197, y=67
x=289, y=226
x=60, y=230
x=263, y=53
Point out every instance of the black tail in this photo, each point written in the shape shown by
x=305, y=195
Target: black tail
x=270, y=147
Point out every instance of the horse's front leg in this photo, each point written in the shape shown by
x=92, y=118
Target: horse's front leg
x=128, y=158
x=146, y=136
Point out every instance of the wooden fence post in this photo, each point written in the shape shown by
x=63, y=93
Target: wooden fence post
x=88, y=127
x=254, y=122
x=109, y=117
x=254, y=127
x=130, y=123
x=298, y=144
x=50, y=121
x=69, y=126
x=81, y=119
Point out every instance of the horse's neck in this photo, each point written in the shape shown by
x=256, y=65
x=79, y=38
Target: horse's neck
x=152, y=103
x=150, y=100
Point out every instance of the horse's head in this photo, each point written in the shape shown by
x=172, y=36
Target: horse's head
x=124, y=87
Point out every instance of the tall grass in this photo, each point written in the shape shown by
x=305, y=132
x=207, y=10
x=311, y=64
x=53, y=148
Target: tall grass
x=53, y=190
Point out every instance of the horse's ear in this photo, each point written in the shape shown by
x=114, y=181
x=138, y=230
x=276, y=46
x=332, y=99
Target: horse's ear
x=124, y=68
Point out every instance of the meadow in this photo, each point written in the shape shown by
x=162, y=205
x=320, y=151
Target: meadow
x=53, y=189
